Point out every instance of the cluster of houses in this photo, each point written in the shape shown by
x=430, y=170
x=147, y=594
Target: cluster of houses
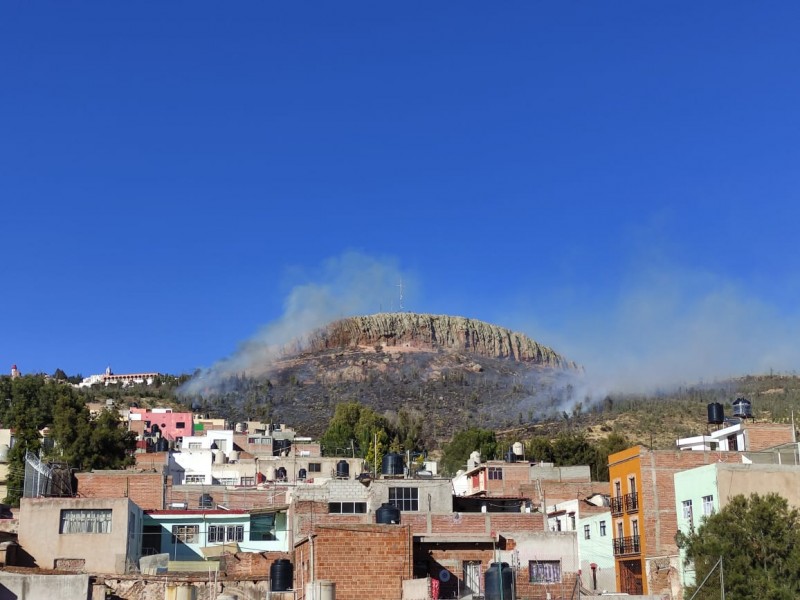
x=213, y=511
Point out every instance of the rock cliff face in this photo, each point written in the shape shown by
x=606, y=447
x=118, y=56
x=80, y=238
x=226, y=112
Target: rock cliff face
x=435, y=332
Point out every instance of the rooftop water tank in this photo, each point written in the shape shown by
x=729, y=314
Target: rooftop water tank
x=219, y=457
x=518, y=449
x=302, y=474
x=280, y=575
x=392, y=464
x=387, y=514
x=511, y=457
x=499, y=580
x=342, y=470
x=716, y=414
x=742, y=408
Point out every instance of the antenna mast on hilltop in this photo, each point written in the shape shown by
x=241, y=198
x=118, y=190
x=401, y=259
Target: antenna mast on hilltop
x=400, y=285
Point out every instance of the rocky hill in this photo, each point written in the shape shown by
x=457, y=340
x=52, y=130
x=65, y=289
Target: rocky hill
x=451, y=372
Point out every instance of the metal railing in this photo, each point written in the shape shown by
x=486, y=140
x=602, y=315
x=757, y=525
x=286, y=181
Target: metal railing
x=631, y=502
x=626, y=545
x=616, y=505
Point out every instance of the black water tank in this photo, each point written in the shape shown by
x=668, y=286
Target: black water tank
x=392, y=464
x=511, y=457
x=387, y=514
x=279, y=447
x=206, y=501
x=342, y=470
x=716, y=414
x=280, y=575
x=742, y=408
x=302, y=474
x=280, y=473
x=498, y=582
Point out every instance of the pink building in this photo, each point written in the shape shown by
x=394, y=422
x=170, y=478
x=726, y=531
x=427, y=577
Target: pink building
x=171, y=425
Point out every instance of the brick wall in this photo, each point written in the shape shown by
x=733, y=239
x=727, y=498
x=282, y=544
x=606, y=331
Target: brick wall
x=249, y=564
x=364, y=561
x=146, y=489
x=559, y=491
x=542, y=591
x=761, y=436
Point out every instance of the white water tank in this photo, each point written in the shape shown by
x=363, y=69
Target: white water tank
x=518, y=449
x=219, y=457
x=233, y=455
x=321, y=589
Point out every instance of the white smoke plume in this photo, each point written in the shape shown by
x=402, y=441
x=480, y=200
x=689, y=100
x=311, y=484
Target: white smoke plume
x=675, y=327
x=347, y=285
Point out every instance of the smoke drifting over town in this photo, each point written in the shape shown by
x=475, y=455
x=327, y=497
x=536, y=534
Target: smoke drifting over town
x=350, y=284
x=674, y=326
x=668, y=327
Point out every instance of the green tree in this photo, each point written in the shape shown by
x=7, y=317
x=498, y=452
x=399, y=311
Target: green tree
x=614, y=442
x=456, y=453
x=758, y=539
x=111, y=445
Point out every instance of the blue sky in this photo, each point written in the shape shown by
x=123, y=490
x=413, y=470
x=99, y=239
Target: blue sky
x=618, y=180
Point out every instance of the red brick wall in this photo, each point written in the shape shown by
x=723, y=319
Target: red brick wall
x=249, y=564
x=541, y=591
x=364, y=561
x=761, y=436
x=145, y=489
x=559, y=491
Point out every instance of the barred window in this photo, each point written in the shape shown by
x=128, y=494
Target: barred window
x=225, y=533
x=545, y=571
x=188, y=534
x=404, y=498
x=495, y=472
x=195, y=479
x=86, y=521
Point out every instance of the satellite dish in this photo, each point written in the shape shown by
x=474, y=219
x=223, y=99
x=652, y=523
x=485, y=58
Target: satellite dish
x=444, y=575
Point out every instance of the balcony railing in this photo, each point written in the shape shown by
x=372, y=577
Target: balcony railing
x=626, y=545
x=631, y=502
x=616, y=505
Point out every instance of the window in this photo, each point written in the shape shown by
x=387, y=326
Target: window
x=247, y=481
x=225, y=533
x=602, y=529
x=180, y=425
x=260, y=441
x=587, y=532
x=187, y=534
x=544, y=571
x=194, y=479
x=345, y=508
x=195, y=446
x=708, y=505
x=617, y=489
x=572, y=522
x=495, y=472
x=687, y=512
x=620, y=530
x=85, y=521
x=262, y=527
x=314, y=467
x=227, y=480
x=635, y=527
x=404, y=498
x=632, y=485
x=221, y=444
